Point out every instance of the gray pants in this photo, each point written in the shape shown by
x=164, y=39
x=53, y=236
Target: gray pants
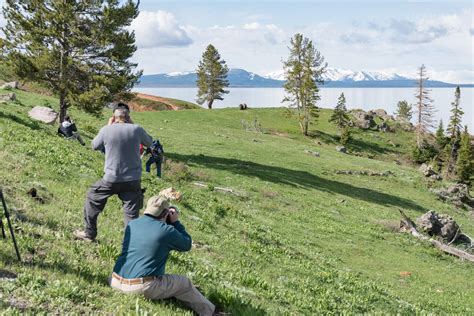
x=129, y=192
x=166, y=286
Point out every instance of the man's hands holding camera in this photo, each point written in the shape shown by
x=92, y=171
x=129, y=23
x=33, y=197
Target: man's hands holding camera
x=173, y=215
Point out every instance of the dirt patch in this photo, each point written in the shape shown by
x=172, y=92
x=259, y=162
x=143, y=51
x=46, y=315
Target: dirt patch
x=281, y=134
x=158, y=99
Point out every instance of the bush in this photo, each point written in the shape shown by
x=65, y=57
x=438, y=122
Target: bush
x=177, y=171
x=425, y=153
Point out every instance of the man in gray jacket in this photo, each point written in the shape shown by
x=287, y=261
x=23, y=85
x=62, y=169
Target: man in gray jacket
x=120, y=141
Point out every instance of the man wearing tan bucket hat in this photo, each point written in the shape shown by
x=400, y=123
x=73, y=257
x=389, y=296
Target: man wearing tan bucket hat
x=140, y=269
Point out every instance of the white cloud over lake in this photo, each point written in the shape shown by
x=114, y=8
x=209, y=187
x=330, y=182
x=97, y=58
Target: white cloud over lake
x=159, y=28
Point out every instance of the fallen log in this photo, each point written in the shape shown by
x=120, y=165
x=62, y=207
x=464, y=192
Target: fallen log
x=407, y=225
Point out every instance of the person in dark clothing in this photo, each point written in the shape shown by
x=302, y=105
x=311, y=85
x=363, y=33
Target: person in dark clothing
x=120, y=141
x=140, y=268
x=69, y=130
x=156, y=157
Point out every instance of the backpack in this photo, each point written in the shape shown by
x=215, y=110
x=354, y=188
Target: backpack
x=156, y=148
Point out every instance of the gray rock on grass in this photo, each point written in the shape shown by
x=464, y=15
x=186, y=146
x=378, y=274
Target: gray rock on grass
x=8, y=97
x=43, y=114
x=10, y=85
x=341, y=149
x=435, y=224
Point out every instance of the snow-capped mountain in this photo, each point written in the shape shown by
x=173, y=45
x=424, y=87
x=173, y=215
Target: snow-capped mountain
x=333, y=78
x=334, y=74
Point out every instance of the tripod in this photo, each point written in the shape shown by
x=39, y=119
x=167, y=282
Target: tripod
x=7, y=215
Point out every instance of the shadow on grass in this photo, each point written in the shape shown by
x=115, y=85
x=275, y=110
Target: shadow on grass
x=19, y=120
x=296, y=178
x=324, y=137
x=365, y=146
x=354, y=144
x=226, y=301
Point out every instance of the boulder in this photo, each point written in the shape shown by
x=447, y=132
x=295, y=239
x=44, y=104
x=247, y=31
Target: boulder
x=383, y=127
x=8, y=97
x=458, y=195
x=438, y=225
x=313, y=153
x=427, y=170
x=362, y=119
x=10, y=85
x=405, y=125
x=171, y=194
x=341, y=149
x=43, y=114
x=382, y=114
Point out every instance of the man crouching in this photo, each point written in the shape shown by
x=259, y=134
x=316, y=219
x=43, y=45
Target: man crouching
x=140, y=269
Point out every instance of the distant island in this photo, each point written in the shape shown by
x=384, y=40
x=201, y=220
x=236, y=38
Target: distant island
x=334, y=78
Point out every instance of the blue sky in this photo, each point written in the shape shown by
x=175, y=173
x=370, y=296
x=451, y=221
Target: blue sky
x=384, y=35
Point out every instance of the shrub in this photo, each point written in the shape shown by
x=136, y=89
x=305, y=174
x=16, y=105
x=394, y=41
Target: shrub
x=425, y=153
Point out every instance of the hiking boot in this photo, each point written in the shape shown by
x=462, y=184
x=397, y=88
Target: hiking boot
x=82, y=235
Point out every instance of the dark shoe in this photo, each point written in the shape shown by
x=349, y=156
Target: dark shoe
x=82, y=235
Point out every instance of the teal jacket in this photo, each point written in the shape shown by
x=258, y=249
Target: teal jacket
x=146, y=246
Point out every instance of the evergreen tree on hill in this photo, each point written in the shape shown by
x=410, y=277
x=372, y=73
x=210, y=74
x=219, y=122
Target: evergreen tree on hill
x=465, y=161
x=340, y=117
x=454, y=127
x=440, y=137
x=211, y=77
x=404, y=110
x=303, y=71
x=79, y=49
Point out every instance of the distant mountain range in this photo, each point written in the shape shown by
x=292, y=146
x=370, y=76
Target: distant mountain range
x=333, y=78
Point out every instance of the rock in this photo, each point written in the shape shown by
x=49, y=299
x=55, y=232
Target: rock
x=8, y=97
x=436, y=177
x=341, y=149
x=313, y=153
x=405, y=125
x=362, y=119
x=438, y=225
x=382, y=114
x=171, y=194
x=43, y=114
x=10, y=85
x=6, y=275
x=427, y=170
x=383, y=127
x=458, y=195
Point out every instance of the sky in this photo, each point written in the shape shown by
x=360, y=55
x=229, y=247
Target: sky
x=385, y=35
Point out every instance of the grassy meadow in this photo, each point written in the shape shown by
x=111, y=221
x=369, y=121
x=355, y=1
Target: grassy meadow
x=298, y=238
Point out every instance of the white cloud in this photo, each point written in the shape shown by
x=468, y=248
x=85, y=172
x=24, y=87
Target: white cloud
x=158, y=29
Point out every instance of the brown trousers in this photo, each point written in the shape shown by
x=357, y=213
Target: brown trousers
x=167, y=286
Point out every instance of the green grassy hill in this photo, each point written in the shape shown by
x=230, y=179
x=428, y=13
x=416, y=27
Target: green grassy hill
x=299, y=238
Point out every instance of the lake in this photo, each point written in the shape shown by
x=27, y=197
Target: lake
x=364, y=98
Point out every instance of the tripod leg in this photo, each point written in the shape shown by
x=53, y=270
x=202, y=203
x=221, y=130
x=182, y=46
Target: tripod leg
x=9, y=225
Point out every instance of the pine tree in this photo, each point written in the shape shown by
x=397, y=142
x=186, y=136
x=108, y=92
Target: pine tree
x=465, y=161
x=78, y=49
x=303, y=71
x=339, y=115
x=424, y=109
x=211, y=77
x=341, y=119
x=404, y=110
x=454, y=127
x=440, y=137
